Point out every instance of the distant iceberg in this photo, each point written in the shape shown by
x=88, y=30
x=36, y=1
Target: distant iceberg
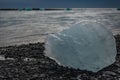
x=87, y=46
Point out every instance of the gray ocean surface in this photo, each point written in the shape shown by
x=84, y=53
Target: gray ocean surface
x=22, y=27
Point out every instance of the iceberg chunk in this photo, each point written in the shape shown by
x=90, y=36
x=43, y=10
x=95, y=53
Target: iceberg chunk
x=87, y=46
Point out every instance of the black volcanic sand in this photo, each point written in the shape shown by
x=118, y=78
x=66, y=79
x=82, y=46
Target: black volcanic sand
x=27, y=62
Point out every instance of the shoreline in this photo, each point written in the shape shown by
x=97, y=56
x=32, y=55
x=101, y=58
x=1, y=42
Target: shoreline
x=27, y=61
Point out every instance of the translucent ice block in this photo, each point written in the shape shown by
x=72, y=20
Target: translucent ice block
x=87, y=46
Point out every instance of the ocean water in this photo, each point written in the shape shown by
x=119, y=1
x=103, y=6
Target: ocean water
x=22, y=27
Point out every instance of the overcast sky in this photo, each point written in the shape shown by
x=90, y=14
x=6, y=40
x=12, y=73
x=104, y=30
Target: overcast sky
x=59, y=3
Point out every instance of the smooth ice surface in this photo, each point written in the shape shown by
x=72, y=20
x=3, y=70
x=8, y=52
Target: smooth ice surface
x=87, y=46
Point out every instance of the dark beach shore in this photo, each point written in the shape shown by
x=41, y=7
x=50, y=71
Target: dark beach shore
x=27, y=62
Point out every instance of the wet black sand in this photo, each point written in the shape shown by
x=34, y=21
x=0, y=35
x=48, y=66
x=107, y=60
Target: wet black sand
x=29, y=63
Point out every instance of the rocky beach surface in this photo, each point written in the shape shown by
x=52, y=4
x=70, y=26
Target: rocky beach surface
x=27, y=62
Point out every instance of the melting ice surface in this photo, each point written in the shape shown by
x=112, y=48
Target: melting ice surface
x=87, y=46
